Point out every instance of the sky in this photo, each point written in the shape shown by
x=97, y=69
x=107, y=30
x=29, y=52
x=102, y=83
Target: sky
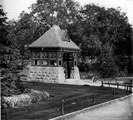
x=15, y=7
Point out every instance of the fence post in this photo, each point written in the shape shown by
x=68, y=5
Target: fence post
x=94, y=97
x=117, y=85
x=102, y=84
x=6, y=114
x=113, y=93
x=62, y=106
x=124, y=86
x=130, y=86
x=127, y=87
x=109, y=83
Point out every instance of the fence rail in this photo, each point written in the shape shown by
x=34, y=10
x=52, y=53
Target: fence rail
x=87, y=100
x=127, y=85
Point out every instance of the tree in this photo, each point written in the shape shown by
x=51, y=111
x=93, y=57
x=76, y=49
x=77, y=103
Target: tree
x=106, y=65
x=60, y=12
x=98, y=28
x=7, y=50
x=9, y=60
x=86, y=32
x=26, y=30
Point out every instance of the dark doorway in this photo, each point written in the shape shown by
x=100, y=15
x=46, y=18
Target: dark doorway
x=67, y=64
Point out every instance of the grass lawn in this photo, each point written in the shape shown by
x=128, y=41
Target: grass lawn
x=76, y=97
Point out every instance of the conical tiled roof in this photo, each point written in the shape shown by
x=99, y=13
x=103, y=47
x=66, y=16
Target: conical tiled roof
x=54, y=38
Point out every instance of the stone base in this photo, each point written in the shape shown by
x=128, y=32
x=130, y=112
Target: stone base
x=51, y=74
x=75, y=73
x=46, y=74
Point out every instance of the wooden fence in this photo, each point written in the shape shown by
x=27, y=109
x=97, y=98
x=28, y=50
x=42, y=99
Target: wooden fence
x=128, y=85
x=67, y=105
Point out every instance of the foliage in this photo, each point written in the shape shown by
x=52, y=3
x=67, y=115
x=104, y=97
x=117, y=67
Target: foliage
x=9, y=52
x=103, y=32
x=38, y=96
x=108, y=68
x=61, y=12
x=9, y=60
x=11, y=85
x=27, y=30
x=83, y=67
x=33, y=96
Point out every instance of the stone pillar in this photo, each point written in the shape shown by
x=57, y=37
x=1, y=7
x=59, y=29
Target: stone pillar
x=61, y=75
x=75, y=73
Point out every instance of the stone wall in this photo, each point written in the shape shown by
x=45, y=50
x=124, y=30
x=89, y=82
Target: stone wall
x=46, y=74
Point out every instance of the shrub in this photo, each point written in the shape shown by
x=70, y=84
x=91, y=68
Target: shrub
x=24, y=99
x=107, y=68
x=83, y=67
x=11, y=85
x=38, y=96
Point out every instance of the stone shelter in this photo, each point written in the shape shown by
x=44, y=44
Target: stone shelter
x=54, y=57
